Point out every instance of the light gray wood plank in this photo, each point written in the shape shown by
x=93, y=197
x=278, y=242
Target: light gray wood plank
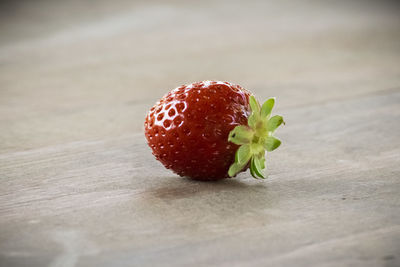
x=333, y=186
x=79, y=186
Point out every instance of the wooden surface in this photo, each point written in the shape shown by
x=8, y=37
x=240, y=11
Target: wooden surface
x=79, y=186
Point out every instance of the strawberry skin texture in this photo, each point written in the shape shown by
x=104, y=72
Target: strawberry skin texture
x=188, y=128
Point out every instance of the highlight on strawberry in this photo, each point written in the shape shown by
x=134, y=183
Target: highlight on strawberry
x=212, y=130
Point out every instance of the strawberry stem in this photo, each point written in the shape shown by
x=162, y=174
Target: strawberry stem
x=255, y=138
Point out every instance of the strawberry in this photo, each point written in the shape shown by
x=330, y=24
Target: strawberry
x=212, y=130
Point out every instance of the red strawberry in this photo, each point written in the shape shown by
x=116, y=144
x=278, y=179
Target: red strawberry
x=211, y=130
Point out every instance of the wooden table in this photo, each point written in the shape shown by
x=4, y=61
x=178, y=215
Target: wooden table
x=79, y=186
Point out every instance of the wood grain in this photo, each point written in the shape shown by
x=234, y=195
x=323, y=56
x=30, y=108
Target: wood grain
x=79, y=186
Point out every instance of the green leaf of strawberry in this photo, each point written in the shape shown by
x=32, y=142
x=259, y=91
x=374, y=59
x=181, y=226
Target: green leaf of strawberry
x=255, y=138
x=258, y=167
x=274, y=123
x=243, y=154
x=271, y=143
x=267, y=107
x=241, y=135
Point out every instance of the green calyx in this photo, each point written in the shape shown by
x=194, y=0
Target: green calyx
x=255, y=138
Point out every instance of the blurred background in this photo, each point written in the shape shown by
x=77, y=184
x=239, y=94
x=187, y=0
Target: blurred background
x=79, y=186
x=63, y=63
